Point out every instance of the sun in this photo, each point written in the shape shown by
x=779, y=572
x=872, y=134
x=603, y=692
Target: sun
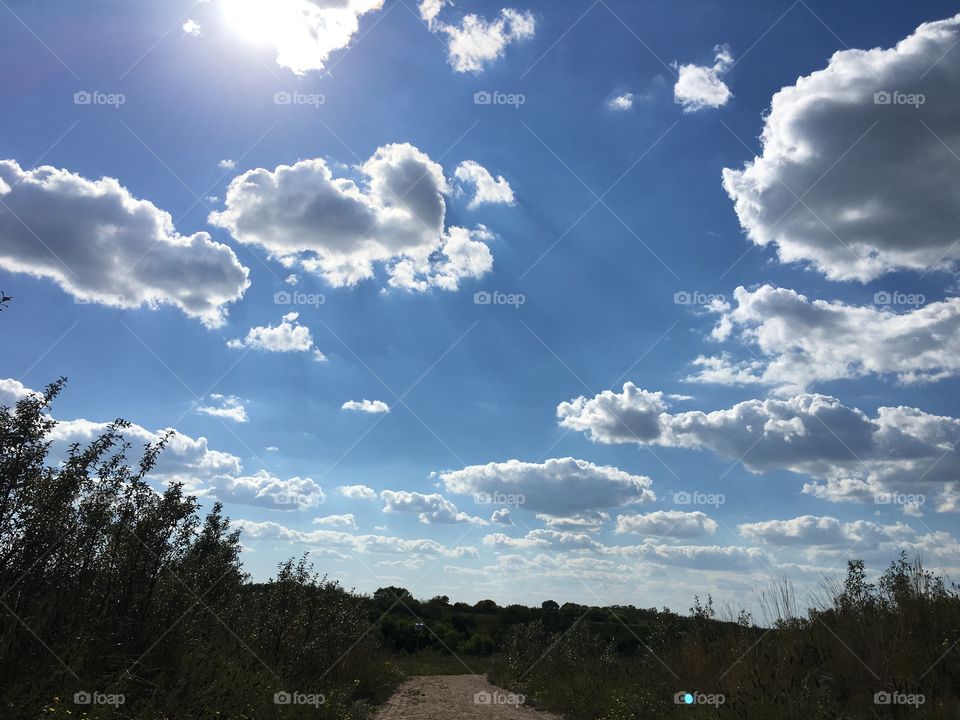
x=260, y=21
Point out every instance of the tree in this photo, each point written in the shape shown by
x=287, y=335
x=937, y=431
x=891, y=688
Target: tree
x=550, y=605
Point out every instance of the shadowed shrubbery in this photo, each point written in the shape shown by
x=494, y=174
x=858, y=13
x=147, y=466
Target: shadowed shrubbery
x=113, y=592
x=866, y=652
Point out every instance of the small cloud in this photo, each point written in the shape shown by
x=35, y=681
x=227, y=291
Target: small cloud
x=699, y=86
x=272, y=448
x=367, y=406
x=501, y=517
x=486, y=188
x=621, y=103
x=338, y=521
x=477, y=42
x=228, y=407
x=288, y=336
x=292, y=279
x=227, y=164
x=357, y=492
x=192, y=28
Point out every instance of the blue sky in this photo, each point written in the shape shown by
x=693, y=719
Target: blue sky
x=612, y=234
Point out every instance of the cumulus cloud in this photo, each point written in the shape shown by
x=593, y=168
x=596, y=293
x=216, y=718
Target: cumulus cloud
x=331, y=226
x=558, y=486
x=374, y=544
x=667, y=523
x=265, y=490
x=357, y=492
x=304, y=32
x=804, y=341
x=288, y=336
x=810, y=530
x=229, y=407
x=102, y=245
x=11, y=391
x=501, y=517
x=589, y=521
x=477, y=42
x=854, y=178
x=621, y=102
x=849, y=454
x=486, y=189
x=431, y=509
x=192, y=28
x=699, y=86
x=340, y=521
x=367, y=406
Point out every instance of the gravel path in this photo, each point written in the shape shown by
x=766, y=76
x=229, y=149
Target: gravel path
x=456, y=697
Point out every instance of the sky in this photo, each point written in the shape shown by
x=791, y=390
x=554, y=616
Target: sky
x=610, y=302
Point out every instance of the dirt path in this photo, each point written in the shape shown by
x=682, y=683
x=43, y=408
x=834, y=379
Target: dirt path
x=456, y=697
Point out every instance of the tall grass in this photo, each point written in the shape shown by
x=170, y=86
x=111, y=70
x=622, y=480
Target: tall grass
x=898, y=637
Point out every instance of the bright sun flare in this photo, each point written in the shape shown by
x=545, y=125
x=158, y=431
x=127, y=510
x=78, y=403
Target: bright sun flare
x=262, y=21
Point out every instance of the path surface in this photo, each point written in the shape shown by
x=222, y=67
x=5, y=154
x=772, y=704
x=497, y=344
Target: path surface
x=455, y=697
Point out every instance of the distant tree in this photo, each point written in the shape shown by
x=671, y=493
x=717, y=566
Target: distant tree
x=550, y=605
x=440, y=600
x=486, y=606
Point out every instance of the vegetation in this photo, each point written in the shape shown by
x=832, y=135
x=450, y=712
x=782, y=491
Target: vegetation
x=112, y=589
x=867, y=652
x=125, y=597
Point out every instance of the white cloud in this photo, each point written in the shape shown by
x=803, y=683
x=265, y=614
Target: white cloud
x=544, y=538
x=227, y=164
x=667, y=523
x=357, y=492
x=304, y=32
x=589, y=521
x=288, y=336
x=340, y=521
x=804, y=341
x=558, y=486
x=367, y=406
x=303, y=215
x=430, y=9
x=192, y=28
x=265, y=490
x=102, y=245
x=228, y=407
x=11, y=391
x=486, y=188
x=477, y=42
x=501, y=517
x=849, y=454
x=378, y=544
x=877, y=186
x=431, y=509
x=699, y=86
x=292, y=279
x=620, y=103
x=185, y=459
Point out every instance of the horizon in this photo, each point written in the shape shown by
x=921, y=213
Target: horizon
x=609, y=303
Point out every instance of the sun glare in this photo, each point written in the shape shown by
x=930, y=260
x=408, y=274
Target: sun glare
x=261, y=21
